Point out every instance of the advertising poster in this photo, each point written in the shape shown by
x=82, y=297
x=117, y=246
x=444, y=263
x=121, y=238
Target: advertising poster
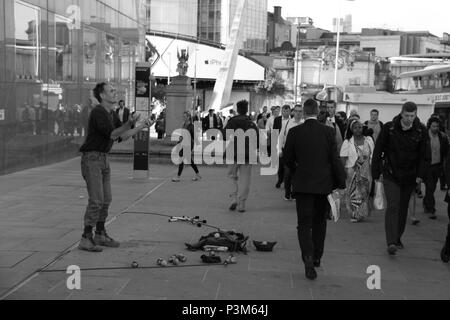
x=142, y=140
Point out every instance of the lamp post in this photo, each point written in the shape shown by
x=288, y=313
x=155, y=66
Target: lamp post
x=338, y=43
x=300, y=29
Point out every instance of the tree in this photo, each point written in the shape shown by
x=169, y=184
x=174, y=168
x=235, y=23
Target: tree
x=272, y=86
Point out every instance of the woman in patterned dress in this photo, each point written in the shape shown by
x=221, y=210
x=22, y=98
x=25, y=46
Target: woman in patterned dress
x=356, y=152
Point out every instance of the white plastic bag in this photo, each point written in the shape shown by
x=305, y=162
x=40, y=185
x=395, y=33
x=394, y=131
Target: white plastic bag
x=335, y=202
x=378, y=199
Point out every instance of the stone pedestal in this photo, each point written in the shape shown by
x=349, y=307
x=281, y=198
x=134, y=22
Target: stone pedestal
x=179, y=99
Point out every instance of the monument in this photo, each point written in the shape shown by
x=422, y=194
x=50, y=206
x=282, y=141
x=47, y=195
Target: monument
x=179, y=96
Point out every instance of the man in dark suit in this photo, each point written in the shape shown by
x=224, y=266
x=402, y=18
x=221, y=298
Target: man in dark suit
x=123, y=112
x=311, y=152
x=336, y=121
x=211, y=121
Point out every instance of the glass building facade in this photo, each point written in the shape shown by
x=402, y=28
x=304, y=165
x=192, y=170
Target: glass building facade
x=174, y=16
x=216, y=17
x=52, y=53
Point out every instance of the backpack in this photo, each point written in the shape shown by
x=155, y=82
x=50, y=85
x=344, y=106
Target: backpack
x=234, y=241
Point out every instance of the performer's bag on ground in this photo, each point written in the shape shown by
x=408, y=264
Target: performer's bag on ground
x=232, y=240
x=378, y=199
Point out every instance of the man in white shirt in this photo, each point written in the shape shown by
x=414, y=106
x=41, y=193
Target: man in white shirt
x=288, y=125
x=269, y=127
x=285, y=118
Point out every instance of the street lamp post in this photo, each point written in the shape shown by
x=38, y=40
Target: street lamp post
x=297, y=73
x=338, y=38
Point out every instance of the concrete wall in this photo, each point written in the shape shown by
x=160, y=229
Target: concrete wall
x=386, y=46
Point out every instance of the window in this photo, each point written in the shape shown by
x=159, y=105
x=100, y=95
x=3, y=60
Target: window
x=90, y=40
x=27, y=20
x=109, y=56
x=64, y=50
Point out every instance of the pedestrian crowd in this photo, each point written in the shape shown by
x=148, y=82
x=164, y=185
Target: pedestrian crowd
x=319, y=150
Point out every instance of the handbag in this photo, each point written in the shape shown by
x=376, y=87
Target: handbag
x=378, y=199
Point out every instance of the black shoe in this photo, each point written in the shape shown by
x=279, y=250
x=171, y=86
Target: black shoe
x=392, y=249
x=278, y=185
x=433, y=216
x=310, y=272
x=233, y=207
x=415, y=222
x=400, y=245
x=287, y=197
x=445, y=254
x=317, y=263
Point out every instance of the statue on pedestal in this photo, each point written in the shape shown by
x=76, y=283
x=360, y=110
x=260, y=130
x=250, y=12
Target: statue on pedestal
x=183, y=58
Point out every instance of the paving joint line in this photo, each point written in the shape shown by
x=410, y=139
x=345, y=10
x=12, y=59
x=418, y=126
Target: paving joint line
x=36, y=273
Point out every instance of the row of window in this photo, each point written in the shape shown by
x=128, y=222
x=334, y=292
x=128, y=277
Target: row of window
x=66, y=46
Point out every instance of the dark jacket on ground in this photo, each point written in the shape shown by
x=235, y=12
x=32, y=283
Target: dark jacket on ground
x=402, y=156
x=251, y=145
x=311, y=153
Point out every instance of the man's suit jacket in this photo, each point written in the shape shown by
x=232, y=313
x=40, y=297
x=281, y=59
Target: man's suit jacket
x=311, y=151
x=278, y=123
x=126, y=114
x=205, y=122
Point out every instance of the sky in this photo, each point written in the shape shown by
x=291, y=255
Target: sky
x=404, y=15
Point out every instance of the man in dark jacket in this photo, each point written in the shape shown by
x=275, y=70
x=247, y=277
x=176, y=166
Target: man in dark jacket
x=310, y=151
x=445, y=253
x=402, y=156
x=439, y=150
x=123, y=112
x=211, y=121
x=242, y=152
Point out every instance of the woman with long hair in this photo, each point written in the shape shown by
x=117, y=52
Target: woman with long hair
x=356, y=152
x=189, y=126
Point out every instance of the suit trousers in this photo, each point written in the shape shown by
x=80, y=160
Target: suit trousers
x=240, y=175
x=433, y=174
x=447, y=242
x=397, y=209
x=281, y=170
x=312, y=212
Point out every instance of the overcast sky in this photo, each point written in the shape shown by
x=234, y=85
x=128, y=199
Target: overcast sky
x=413, y=15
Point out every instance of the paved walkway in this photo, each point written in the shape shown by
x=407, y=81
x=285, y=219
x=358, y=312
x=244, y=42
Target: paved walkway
x=41, y=222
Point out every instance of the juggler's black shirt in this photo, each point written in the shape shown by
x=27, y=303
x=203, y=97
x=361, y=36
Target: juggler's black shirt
x=101, y=124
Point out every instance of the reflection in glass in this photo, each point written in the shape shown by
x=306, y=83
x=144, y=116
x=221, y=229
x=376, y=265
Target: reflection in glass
x=90, y=54
x=27, y=34
x=64, y=53
x=109, y=56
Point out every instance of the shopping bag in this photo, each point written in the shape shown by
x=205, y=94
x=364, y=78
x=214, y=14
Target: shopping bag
x=378, y=199
x=335, y=203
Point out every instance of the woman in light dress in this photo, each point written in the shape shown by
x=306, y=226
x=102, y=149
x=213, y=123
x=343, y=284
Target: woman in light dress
x=357, y=152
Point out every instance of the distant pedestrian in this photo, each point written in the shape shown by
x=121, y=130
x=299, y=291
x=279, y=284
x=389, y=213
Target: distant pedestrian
x=401, y=157
x=104, y=128
x=189, y=126
x=288, y=173
x=240, y=172
x=375, y=124
x=439, y=150
x=445, y=253
x=123, y=112
x=280, y=124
